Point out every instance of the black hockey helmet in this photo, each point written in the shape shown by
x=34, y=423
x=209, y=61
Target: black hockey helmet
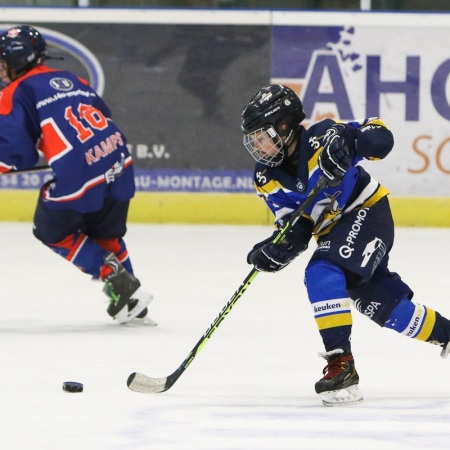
x=272, y=117
x=21, y=48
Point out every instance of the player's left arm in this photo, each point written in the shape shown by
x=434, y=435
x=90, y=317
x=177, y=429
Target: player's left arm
x=373, y=138
x=344, y=144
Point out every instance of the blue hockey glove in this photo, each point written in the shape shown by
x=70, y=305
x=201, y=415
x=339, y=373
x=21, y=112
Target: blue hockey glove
x=269, y=257
x=338, y=151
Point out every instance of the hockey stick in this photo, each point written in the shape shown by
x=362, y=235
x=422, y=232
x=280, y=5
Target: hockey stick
x=32, y=169
x=142, y=383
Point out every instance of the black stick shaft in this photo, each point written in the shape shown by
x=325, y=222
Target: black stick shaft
x=31, y=169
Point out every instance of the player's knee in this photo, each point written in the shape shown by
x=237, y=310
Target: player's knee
x=380, y=296
x=324, y=280
x=44, y=236
x=401, y=315
x=38, y=235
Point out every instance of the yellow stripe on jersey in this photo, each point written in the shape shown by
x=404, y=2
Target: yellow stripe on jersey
x=376, y=197
x=313, y=162
x=376, y=121
x=269, y=188
x=427, y=326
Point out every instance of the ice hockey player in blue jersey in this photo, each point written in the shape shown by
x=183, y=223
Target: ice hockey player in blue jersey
x=82, y=212
x=350, y=219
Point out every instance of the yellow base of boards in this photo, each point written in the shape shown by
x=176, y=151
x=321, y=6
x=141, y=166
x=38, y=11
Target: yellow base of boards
x=236, y=209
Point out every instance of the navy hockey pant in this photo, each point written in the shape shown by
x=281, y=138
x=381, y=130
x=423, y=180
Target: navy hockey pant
x=84, y=238
x=351, y=262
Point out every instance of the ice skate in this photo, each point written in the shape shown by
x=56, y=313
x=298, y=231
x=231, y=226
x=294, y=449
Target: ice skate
x=128, y=301
x=135, y=311
x=339, y=386
x=445, y=350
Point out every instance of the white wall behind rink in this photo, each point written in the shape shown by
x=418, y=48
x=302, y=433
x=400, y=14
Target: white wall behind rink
x=218, y=17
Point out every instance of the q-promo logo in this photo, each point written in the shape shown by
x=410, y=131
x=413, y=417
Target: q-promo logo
x=346, y=251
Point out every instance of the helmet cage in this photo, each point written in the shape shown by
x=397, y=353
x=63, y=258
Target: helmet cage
x=277, y=110
x=265, y=145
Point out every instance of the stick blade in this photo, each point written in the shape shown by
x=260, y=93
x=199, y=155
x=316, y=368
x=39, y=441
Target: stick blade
x=138, y=382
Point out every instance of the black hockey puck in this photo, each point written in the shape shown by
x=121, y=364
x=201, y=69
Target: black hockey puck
x=72, y=386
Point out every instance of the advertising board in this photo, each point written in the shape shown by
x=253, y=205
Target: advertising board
x=177, y=83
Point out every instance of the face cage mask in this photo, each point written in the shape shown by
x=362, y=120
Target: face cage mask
x=265, y=146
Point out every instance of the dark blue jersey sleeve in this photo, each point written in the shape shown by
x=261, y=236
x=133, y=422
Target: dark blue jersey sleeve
x=373, y=138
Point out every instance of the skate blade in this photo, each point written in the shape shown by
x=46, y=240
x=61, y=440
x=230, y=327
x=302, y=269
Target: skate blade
x=146, y=322
x=348, y=396
x=143, y=300
x=445, y=351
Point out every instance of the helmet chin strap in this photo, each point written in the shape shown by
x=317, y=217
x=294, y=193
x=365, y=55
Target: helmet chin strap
x=291, y=155
x=289, y=148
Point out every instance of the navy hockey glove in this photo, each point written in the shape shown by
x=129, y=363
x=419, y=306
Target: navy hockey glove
x=269, y=257
x=338, y=150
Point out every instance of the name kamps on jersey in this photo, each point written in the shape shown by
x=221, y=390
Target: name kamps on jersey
x=107, y=146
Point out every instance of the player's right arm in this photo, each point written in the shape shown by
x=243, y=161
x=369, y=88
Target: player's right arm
x=265, y=255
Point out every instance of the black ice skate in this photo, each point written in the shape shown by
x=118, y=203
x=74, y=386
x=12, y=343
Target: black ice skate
x=127, y=300
x=445, y=350
x=339, y=386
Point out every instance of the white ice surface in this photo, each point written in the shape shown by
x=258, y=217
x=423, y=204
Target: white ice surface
x=250, y=388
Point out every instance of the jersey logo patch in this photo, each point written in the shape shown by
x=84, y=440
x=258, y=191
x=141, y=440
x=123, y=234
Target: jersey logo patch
x=61, y=84
x=299, y=185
